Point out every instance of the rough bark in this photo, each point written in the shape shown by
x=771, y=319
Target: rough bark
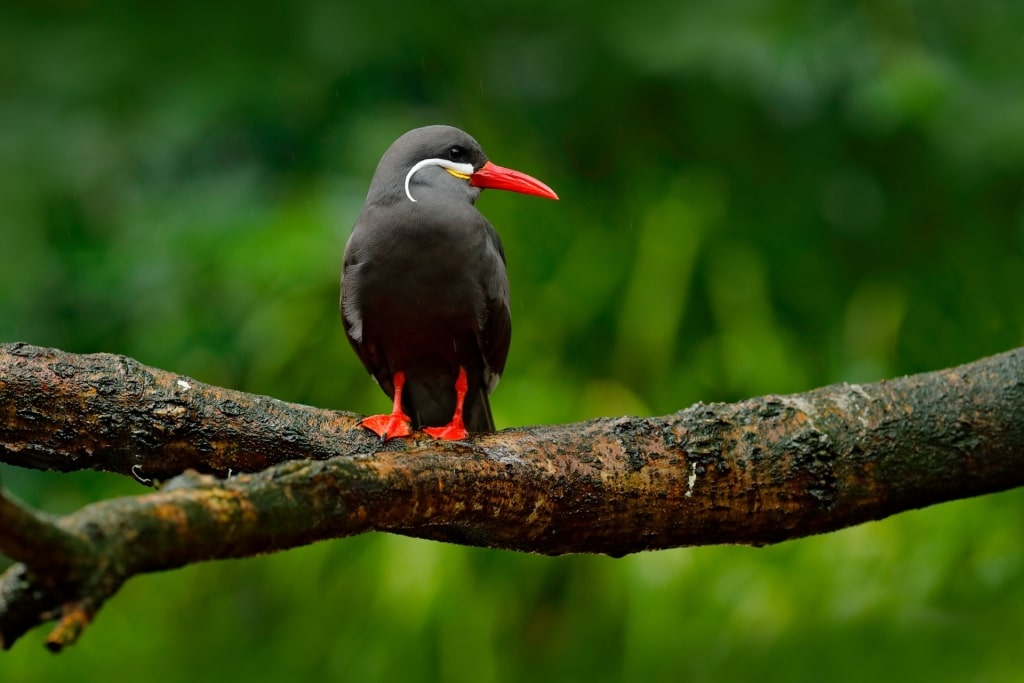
x=755, y=472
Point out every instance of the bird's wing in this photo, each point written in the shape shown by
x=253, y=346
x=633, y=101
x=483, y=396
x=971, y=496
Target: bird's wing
x=496, y=328
x=352, y=318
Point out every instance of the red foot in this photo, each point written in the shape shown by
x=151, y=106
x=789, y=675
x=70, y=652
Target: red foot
x=397, y=423
x=388, y=426
x=450, y=432
x=456, y=429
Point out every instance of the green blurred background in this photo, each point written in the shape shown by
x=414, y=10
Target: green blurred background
x=756, y=197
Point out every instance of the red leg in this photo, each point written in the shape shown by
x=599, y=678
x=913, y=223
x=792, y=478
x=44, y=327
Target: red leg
x=456, y=429
x=397, y=423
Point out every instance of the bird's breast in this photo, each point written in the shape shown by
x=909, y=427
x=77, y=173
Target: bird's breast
x=417, y=284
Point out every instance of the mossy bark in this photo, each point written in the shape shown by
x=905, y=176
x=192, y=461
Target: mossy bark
x=249, y=474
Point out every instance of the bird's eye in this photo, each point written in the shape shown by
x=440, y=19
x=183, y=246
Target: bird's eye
x=457, y=153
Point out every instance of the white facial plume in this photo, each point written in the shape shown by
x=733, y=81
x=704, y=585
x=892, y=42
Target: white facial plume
x=456, y=169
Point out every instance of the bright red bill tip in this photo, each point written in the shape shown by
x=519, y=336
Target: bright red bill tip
x=501, y=178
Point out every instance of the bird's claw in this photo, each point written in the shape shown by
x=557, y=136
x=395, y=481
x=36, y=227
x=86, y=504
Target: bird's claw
x=450, y=432
x=387, y=426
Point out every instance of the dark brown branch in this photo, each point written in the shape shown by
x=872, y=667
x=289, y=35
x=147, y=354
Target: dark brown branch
x=67, y=412
x=34, y=538
x=756, y=472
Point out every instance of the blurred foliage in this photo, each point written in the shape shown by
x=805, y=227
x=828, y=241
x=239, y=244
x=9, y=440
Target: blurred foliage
x=756, y=197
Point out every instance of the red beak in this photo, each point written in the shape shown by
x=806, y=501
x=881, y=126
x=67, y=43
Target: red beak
x=501, y=178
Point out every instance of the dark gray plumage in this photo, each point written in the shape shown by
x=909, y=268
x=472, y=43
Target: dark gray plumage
x=424, y=288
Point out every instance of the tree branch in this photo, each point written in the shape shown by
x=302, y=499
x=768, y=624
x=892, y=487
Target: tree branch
x=758, y=471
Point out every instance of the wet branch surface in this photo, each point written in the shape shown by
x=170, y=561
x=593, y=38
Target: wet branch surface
x=248, y=474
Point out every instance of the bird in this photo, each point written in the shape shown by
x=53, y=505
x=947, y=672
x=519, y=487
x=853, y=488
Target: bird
x=424, y=287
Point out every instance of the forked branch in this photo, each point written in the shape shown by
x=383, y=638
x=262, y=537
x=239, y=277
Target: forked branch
x=277, y=475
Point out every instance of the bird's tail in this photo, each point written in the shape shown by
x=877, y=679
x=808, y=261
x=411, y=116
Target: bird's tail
x=477, y=411
x=430, y=403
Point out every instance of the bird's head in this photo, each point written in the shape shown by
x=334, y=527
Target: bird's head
x=445, y=159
